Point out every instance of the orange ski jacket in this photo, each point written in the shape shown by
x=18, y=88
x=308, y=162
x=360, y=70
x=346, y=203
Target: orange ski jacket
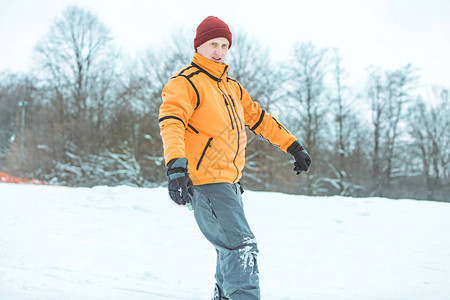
x=203, y=118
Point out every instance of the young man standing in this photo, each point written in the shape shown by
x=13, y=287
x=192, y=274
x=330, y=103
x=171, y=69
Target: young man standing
x=203, y=119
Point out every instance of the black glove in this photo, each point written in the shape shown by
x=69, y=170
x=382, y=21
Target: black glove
x=302, y=158
x=181, y=189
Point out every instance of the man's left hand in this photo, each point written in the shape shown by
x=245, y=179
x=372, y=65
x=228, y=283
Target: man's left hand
x=302, y=158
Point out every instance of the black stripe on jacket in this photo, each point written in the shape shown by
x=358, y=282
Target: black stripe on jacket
x=261, y=117
x=171, y=117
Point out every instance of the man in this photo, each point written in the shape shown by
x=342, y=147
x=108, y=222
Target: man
x=203, y=119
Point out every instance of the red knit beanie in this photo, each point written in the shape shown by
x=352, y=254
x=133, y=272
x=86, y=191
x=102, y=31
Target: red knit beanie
x=211, y=28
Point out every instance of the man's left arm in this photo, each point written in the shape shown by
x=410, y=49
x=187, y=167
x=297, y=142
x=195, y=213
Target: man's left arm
x=265, y=125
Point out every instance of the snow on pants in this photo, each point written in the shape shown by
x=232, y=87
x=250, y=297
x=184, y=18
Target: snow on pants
x=219, y=213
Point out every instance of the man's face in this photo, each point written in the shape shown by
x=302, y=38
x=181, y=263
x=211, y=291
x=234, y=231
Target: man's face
x=215, y=49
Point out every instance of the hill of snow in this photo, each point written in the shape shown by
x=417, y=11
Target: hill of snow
x=114, y=243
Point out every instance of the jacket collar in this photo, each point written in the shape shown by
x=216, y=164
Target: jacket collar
x=214, y=70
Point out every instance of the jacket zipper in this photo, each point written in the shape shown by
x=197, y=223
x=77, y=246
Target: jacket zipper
x=229, y=114
x=208, y=144
x=235, y=112
x=237, y=129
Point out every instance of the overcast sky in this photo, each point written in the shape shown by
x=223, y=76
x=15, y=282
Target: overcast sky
x=384, y=33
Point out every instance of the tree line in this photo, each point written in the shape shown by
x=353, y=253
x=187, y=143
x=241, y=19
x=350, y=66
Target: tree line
x=86, y=115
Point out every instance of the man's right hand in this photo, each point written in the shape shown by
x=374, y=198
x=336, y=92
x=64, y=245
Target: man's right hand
x=181, y=189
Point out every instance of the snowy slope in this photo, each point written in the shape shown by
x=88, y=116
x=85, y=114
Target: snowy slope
x=126, y=243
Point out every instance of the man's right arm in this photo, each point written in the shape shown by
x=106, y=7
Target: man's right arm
x=174, y=114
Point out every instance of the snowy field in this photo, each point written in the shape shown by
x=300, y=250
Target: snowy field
x=126, y=243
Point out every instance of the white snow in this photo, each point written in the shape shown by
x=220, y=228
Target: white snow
x=113, y=243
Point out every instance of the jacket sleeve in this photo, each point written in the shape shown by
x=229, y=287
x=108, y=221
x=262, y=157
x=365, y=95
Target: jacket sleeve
x=263, y=124
x=174, y=113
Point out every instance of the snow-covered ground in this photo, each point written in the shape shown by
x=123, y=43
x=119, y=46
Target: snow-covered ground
x=114, y=243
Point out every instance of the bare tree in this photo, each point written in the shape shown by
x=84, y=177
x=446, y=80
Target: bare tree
x=398, y=93
x=389, y=93
x=375, y=94
x=347, y=135
x=158, y=65
x=77, y=62
x=16, y=94
x=9, y=108
x=307, y=70
x=430, y=136
x=250, y=65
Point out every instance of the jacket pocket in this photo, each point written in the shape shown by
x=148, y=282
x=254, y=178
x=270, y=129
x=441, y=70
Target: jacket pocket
x=208, y=144
x=192, y=128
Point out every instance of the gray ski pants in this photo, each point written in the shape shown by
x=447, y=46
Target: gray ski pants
x=219, y=213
